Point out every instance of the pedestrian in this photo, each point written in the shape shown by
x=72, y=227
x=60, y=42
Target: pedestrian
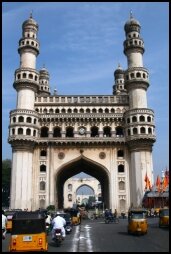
x=115, y=214
x=4, y=224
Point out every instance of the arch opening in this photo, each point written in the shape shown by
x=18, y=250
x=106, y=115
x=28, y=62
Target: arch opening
x=82, y=164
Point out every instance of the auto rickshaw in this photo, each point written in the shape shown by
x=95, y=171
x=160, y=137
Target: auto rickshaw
x=75, y=217
x=28, y=232
x=164, y=217
x=137, y=221
x=9, y=215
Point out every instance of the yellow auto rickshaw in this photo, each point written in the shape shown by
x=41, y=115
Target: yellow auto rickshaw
x=75, y=217
x=28, y=232
x=9, y=215
x=137, y=221
x=164, y=217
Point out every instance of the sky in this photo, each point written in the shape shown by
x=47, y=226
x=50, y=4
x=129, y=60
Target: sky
x=81, y=45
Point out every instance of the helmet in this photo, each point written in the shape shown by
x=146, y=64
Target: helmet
x=57, y=213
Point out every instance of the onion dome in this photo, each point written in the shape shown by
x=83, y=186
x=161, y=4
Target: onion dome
x=132, y=25
x=29, y=22
x=44, y=71
x=119, y=72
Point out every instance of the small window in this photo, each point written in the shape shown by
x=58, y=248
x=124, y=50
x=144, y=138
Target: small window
x=57, y=132
x=28, y=120
x=70, y=132
x=148, y=119
x=138, y=75
x=21, y=119
x=142, y=118
x=18, y=76
x=134, y=119
x=135, y=131
x=142, y=130
x=31, y=76
x=43, y=168
x=120, y=153
x=28, y=132
x=44, y=132
x=20, y=131
x=120, y=168
x=43, y=153
x=42, y=185
x=132, y=75
x=69, y=197
x=24, y=75
x=121, y=185
x=149, y=131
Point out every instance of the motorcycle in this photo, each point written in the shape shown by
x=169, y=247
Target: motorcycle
x=48, y=228
x=68, y=229
x=111, y=219
x=58, y=237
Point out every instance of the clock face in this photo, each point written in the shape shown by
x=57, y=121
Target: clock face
x=81, y=131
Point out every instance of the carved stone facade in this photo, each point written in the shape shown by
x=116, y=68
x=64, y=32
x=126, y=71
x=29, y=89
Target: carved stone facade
x=54, y=137
x=72, y=186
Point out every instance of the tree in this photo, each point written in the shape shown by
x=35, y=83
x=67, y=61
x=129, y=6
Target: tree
x=91, y=200
x=6, y=181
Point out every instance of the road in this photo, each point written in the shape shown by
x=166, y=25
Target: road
x=96, y=236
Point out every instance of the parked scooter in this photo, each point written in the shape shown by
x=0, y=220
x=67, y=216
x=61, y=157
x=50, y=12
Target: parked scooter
x=58, y=237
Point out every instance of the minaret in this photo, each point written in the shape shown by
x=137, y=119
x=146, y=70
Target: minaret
x=23, y=129
x=26, y=77
x=44, y=89
x=119, y=86
x=139, y=120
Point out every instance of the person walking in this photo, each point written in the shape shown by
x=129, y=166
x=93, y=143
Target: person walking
x=4, y=224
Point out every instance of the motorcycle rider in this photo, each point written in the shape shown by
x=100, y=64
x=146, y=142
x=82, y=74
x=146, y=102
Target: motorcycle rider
x=58, y=222
x=4, y=224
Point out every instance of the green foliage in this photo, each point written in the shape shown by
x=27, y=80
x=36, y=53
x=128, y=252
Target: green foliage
x=6, y=181
x=91, y=200
x=51, y=208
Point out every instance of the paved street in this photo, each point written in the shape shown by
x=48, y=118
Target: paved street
x=96, y=236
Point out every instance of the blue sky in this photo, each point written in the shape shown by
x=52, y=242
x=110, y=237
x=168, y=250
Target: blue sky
x=81, y=45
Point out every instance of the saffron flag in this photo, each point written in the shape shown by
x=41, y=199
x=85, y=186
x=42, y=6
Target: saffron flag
x=145, y=179
x=165, y=182
x=148, y=184
x=158, y=183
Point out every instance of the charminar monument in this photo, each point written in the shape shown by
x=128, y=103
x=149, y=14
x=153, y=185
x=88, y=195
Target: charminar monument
x=55, y=137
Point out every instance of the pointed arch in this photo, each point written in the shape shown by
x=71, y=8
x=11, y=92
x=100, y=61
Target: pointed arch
x=78, y=165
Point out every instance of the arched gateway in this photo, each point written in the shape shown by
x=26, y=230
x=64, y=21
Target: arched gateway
x=78, y=165
x=55, y=136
